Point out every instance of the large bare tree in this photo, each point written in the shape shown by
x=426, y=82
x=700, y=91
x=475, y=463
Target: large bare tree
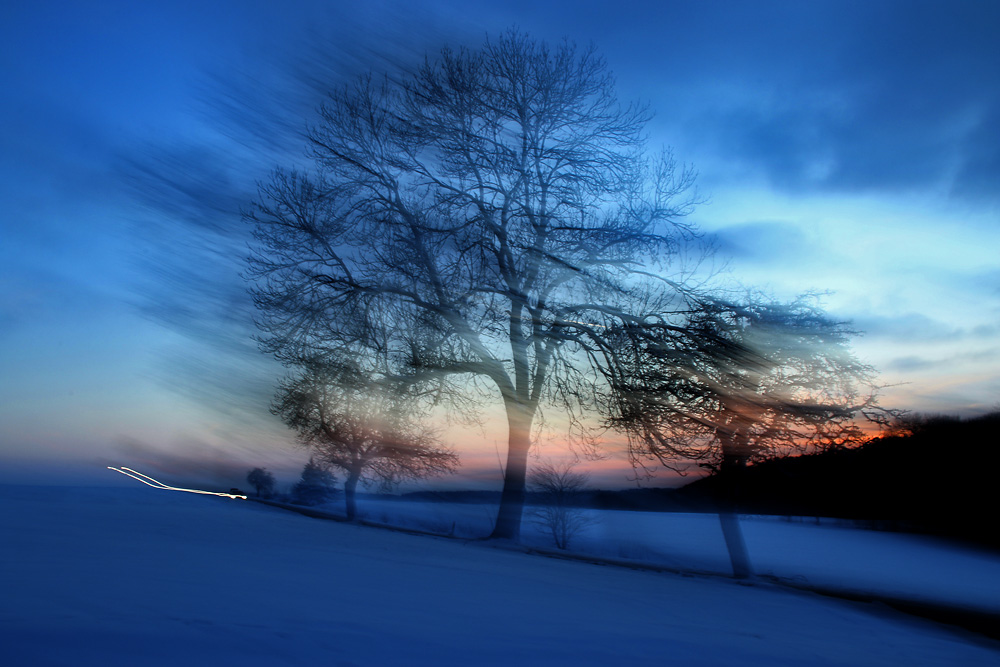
x=476, y=226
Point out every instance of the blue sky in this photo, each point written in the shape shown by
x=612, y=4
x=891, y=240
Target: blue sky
x=850, y=147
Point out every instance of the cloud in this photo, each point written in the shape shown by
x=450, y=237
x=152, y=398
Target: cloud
x=912, y=364
x=916, y=363
x=891, y=96
x=919, y=328
x=985, y=331
x=761, y=242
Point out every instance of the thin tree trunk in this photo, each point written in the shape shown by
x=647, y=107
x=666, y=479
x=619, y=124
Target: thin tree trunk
x=739, y=557
x=508, y=526
x=350, y=485
x=729, y=519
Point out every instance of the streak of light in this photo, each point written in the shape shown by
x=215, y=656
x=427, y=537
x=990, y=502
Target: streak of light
x=156, y=484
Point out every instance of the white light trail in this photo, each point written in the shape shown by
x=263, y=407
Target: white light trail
x=156, y=484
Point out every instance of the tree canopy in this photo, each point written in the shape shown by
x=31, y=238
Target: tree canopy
x=490, y=225
x=476, y=226
x=744, y=382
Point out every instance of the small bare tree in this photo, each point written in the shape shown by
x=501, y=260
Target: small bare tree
x=364, y=431
x=559, y=487
x=262, y=480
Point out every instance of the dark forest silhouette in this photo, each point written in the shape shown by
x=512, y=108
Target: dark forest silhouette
x=935, y=475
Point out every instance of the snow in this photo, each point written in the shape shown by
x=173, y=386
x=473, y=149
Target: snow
x=825, y=556
x=118, y=576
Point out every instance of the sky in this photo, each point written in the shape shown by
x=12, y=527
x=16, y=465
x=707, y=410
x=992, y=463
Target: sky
x=851, y=148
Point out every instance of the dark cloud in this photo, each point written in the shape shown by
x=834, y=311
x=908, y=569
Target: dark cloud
x=761, y=242
x=978, y=172
x=843, y=96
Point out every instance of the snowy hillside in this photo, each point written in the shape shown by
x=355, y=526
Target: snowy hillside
x=146, y=577
x=829, y=556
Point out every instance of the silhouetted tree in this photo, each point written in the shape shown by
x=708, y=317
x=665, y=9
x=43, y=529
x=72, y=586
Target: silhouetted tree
x=557, y=487
x=365, y=432
x=477, y=225
x=749, y=382
x=262, y=481
x=743, y=383
x=316, y=485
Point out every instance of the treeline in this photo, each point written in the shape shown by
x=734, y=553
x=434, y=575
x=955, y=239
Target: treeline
x=939, y=478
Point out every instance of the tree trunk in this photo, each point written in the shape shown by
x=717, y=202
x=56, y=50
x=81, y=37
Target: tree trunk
x=739, y=557
x=508, y=526
x=350, y=485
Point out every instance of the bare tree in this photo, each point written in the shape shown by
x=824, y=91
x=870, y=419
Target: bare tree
x=745, y=382
x=475, y=226
x=559, y=487
x=262, y=480
x=360, y=430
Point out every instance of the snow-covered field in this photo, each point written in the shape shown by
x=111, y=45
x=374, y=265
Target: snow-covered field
x=828, y=556
x=122, y=576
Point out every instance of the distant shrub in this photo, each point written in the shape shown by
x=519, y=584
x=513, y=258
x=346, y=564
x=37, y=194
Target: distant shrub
x=316, y=485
